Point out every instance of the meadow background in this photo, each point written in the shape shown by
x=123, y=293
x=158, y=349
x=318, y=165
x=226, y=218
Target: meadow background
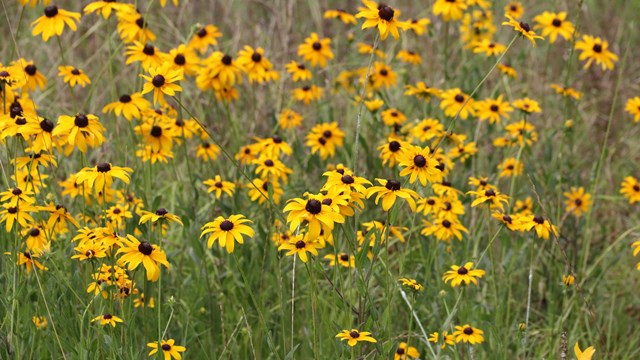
x=258, y=303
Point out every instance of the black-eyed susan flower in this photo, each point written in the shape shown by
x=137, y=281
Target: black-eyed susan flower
x=142, y=301
x=58, y=215
x=160, y=214
x=344, y=16
x=449, y=9
x=184, y=58
x=133, y=27
x=463, y=274
x=307, y=93
x=630, y=189
x=101, y=176
x=404, y=351
x=488, y=47
x=527, y=105
x=389, y=191
x=453, y=101
x=418, y=26
x=568, y=280
x=147, y=54
x=512, y=222
x=17, y=214
x=324, y=138
x=468, y=334
x=577, y=201
x=129, y=106
x=28, y=259
x=300, y=245
x=444, y=229
x=523, y=28
x=218, y=186
x=447, y=339
x=207, y=151
x=40, y=322
x=107, y=319
x=162, y=80
x=255, y=64
x=411, y=284
x=382, y=75
x=419, y=164
x=368, y=49
x=354, y=336
x=205, y=37
x=632, y=107
x=105, y=8
x=260, y=190
x=510, y=167
x=73, y=76
x=289, y=119
x=595, y=49
x=34, y=78
x=298, y=71
x=135, y=252
x=393, y=117
x=542, y=226
x=270, y=167
x=169, y=348
x=30, y=179
x=315, y=50
x=391, y=151
x=492, y=109
x=491, y=196
x=427, y=129
x=566, y=91
x=342, y=259
x=227, y=231
x=514, y=9
x=382, y=16
x=319, y=216
x=508, y=70
x=421, y=91
x=554, y=25
x=53, y=22
x=81, y=131
x=587, y=354
x=89, y=250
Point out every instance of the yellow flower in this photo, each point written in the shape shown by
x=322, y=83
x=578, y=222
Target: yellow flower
x=307, y=93
x=107, y=319
x=53, y=21
x=578, y=202
x=353, y=336
x=542, y=226
x=344, y=16
x=469, y=334
x=389, y=191
x=554, y=24
x=596, y=49
x=227, y=231
x=463, y=274
x=168, y=347
x=130, y=106
x=160, y=214
x=522, y=28
x=382, y=16
x=630, y=188
x=419, y=164
x=412, y=283
x=316, y=50
x=633, y=107
x=587, y=354
x=73, y=76
x=162, y=81
x=566, y=91
x=301, y=245
x=219, y=186
x=449, y=9
x=404, y=352
x=568, y=279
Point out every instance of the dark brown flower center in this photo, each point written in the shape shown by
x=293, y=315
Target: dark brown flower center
x=538, y=219
x=256, y=57
x=202, y=32
x=490, y=193
x=226, y=225
x=327, y=134
x=419, y=161
x=301, y=66
x=81, y=121
x=354, y=334
x=156, y=131
x=218, y=184
x=46, y=125
x=344, y=257
x=384, y=72
x=468, y=330
x=30, y=69
x=636, y=187
x=400, y=351
x=89, y=253
x=268, y=162
x=347, y=179
x=166, y=347
x=103, y=167
x=507, y=218
x=300, y=244
x=141, y=23
x=51, y=11
x=494, y=108
x=226, y=60
x=313, y=206
x=556, y=22
x=179, y=60
x=393, y=185
x=158, y=81
x=597, y=48
x=12, y=210
x=446, y=223
x=578, y=202
x=75, y=71
x=276, y=139
x=145, y=248
x=316, y=46
x=327, y=202
x=459, y=98
x=525, y=26
x=117, y=211
x=386, y=13
x=394, y=146
x=161, y=212
x=107, y=316
x=125, y=99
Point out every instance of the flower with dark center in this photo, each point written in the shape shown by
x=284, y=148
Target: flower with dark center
x=4, y=74
x=419, y=161
x=89, y=253
x=597, y=48
x=141, y=23
x=347, y=179
x=15, y=111
x=446, y=223
x=393, y=185
x=300, y=244
x=384, y=72
x=51, y=11
x=161, y=212
x=490, y=192
x=16, y=191
x=117, y=211
x=226, y=60
x=166, y=347
x=394, y=146
x=354, y=334
x=494, y=108
x=340, y=171
x=226, y=225
x=145, y=248
x=578, y=202
x=158, y=81
x=313, y=206
x=218, y=184
x=447, y=206
x=180, y=122
x=463, y=270
x=30, y=69
x=400, y=351
x=103, y=167
x=636, y=187
x=468, y=331
x=301, y=66
x=316, y=46
x=386, y=13
x=107, y=316
x=75, y=71
x=306, y=88
x=21, y=121
x=538, y=219
x=12, y=210
x=34, y=232
x=344, y=257
x=27, y=254
x=556, y=22
x=459, y=98
x=125, y=99
x=431, y=202
x=510, y=167
x=525, y=26
x=156, y=131
x=276, y=139
x=81, y=120
x=507, y=218
x=327, y=202
x=256, y=57
x=440, y=166
x=268, y=162
x=202, y=32
x=179, y=60
x=327, y=134
x=322, y=141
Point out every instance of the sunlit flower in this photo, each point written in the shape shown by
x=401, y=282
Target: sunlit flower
x=135, y=252
x=587, y=354
x=523, y=28
x=382, y=16
x=595, y=49
x=468, y=334
x=107, y=319
x=168, y=347
x=53, y=22
x=227, y=231
x=316, y=50
x=577, y=201
x=162, y=80
x=554, y=24
x=353, y=336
